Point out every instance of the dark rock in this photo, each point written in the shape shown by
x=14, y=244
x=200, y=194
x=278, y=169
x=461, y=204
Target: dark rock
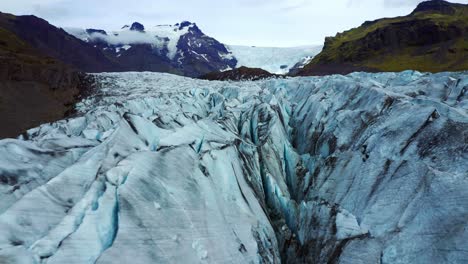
x=438, y=6
x=137, y=27
x=183, y=24
x=239, y=74
x=34, y=93
x=92, y=30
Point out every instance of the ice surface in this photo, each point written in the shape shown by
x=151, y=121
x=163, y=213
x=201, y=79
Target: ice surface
x=274, y=60
x=157, y=168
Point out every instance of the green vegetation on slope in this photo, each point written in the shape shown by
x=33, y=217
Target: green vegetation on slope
x=429, y=39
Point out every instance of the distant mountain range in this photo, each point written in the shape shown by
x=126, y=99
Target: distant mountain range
x=181, y=49
x=433, y=38
x=184, y=49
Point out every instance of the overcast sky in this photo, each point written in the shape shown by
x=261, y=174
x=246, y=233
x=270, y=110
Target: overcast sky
x=273, y=23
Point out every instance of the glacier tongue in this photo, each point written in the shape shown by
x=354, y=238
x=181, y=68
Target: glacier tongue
x=364, y=168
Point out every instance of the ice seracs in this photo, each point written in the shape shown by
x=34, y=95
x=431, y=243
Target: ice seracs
x=156, y=168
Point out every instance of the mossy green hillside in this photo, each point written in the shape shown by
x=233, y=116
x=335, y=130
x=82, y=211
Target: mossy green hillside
x=424, y=40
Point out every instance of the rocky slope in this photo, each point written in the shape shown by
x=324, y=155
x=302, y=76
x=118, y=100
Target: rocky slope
x=156, y=168
x=34, y=88
x=239, y=74
x=433, y=38
x=53, y=42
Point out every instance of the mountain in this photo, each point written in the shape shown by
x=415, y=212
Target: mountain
x=35, y=88
x=159, y=168
x=239, y=74
x=184, y=49
x=181, y=49
x=56, y=43
x=433, y=38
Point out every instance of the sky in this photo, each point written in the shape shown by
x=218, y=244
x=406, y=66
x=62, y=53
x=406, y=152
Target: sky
x=268, y=23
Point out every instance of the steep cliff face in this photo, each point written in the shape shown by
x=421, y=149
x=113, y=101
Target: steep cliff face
x=433, y=38
x=364, y=168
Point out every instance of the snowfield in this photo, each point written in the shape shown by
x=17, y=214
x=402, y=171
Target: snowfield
x=157, y=168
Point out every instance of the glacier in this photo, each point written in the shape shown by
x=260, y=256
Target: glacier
x=274, y=59
x=158, y=168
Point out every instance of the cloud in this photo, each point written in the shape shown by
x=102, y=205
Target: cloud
x=400, y=3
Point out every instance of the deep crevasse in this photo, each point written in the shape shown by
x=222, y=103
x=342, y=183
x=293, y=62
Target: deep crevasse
x=364, y=168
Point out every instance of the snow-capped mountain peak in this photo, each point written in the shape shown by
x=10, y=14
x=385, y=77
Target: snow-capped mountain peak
x=180, y=48
x=160, y=37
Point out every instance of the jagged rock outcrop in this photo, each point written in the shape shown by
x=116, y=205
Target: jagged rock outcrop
x=364, y=168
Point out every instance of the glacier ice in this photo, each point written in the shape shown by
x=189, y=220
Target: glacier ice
x=157, y=168
x=271, y=59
